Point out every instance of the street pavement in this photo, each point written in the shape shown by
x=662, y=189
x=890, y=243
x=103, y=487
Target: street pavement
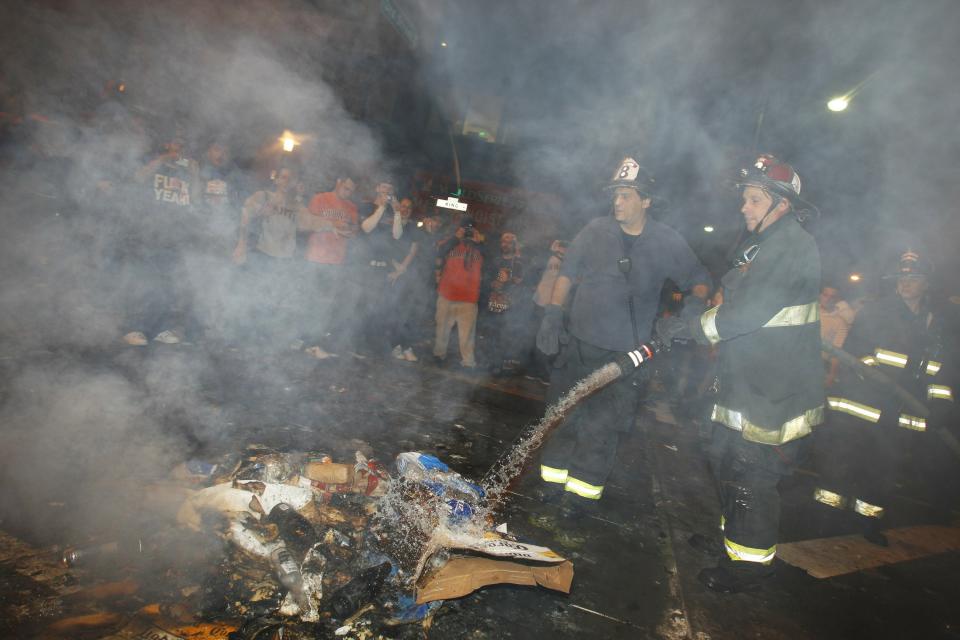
x=635, y=575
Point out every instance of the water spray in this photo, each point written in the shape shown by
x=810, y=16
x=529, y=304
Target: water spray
x=417, y=523
x=509, y=465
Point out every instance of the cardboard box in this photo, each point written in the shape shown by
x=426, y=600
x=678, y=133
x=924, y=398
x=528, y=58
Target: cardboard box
x=329, y=472
x=463, y=575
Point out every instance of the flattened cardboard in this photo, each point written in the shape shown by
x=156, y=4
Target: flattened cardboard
x=464, y=575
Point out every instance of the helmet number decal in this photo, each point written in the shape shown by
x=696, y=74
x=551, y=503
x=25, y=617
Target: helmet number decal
x=629, y=169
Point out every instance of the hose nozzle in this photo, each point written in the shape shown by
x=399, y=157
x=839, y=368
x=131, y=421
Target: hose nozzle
x=635, y=358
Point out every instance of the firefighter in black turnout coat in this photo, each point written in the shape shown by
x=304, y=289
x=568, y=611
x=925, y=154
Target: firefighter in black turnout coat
x=770, y=372
x=871, y=429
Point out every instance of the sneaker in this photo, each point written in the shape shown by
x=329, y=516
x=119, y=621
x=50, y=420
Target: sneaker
x=397, y=352
x=168, y=337
x=409, y=355
x=135, y=339
x=438, y=361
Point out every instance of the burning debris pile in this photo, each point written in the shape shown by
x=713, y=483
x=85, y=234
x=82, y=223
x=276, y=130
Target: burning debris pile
x=307, y=547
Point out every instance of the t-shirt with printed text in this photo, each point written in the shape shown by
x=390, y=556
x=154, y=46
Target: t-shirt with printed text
x=327, y=247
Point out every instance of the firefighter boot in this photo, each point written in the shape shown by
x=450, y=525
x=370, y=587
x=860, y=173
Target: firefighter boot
x=573, y=506
x=735, y=577
x=709, y=545
x=873, y=534
x=549, y=492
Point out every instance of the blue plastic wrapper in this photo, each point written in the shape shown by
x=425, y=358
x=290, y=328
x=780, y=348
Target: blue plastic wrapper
x=460, y=495
x=409, y=611
x=435, y=475
x=459, y=510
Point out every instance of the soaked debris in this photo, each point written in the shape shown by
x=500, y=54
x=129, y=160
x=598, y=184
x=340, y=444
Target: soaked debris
x=269, y=544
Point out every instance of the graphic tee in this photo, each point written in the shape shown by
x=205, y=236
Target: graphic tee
x=326, y=247
x=171, y=183
x=278, y=224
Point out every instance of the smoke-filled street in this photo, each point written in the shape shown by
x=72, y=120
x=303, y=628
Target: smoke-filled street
x=439, y=319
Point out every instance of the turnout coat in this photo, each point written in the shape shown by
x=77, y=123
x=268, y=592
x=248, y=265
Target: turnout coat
x=768, y=334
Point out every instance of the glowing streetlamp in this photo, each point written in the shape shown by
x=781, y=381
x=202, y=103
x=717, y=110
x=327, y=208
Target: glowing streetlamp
x=855, y=277
x=708, y=229
x=289, y=142
x=443, y=44
x=840, y=103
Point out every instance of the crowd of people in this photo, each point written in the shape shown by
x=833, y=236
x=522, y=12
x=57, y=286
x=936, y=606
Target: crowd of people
x=205, y=254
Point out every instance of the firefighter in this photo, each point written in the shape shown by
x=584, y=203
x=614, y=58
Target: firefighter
x=620, y=263
x=871, y=427
x=770, y=376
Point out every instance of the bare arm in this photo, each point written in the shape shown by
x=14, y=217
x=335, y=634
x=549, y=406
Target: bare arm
x=252, y=207
x=561, y=289
x=370, y=222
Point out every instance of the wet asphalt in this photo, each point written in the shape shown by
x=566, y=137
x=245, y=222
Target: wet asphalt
x=635, y=576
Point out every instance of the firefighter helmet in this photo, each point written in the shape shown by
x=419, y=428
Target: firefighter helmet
x=912, y=264
x=778, y=179
x=630, y=174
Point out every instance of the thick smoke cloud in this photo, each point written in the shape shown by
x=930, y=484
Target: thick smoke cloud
x=103, y=425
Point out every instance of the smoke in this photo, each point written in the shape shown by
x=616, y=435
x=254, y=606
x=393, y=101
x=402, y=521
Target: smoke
x=87, y=421
x=83, y=440
x=691, y=88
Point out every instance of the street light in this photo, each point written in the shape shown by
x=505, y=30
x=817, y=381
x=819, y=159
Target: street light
x=443, y=44
x=708, y=229
x=840, y=103
x=855, y=277
x=289, y=142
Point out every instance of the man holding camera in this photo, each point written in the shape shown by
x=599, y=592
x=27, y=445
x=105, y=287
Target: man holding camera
x=458, y=292
x=621, y=264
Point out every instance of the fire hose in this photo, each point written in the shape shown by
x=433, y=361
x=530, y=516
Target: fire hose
x=509, y=465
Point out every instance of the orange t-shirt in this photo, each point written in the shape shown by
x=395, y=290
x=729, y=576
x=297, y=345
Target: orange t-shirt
x=326, y=247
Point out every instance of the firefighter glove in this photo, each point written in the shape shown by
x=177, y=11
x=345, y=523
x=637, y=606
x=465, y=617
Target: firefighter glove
x=551, y=330
x=672, y=328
